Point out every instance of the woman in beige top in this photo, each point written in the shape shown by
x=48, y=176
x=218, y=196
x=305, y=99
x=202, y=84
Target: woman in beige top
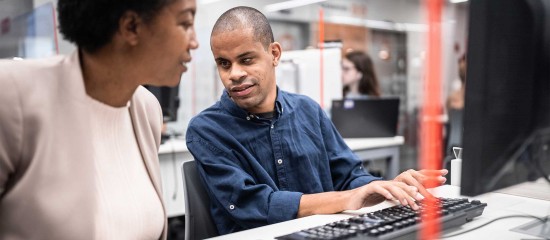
x=78, y=134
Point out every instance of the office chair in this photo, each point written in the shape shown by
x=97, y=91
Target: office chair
x=198, y=222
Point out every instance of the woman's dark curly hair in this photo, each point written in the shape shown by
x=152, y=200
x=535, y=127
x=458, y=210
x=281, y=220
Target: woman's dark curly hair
x=91, y=24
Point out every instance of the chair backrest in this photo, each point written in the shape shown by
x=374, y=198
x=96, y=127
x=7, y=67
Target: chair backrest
x=198, y=222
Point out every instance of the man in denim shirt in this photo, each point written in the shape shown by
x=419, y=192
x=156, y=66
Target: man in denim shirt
x=268, y=156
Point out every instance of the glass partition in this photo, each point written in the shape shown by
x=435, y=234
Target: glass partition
x=29, y=35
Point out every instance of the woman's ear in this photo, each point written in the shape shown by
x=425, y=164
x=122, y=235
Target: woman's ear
x=129, y=25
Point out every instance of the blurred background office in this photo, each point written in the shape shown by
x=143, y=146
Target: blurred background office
x=392, y=32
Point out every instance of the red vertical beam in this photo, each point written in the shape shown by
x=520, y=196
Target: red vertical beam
x=322, y=65
x=430, y=139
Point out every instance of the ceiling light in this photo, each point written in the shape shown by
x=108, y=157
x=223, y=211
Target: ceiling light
x=289, y=4
x=207, y=1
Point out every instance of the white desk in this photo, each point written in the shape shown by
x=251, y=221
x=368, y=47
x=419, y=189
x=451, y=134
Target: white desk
x=171, y=156
x=498, y=204
x=368, y=149
x=174, y=152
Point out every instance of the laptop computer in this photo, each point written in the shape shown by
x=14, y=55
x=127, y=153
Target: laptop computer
x=366, y=118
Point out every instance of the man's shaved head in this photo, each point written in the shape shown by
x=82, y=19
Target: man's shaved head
x=245, y=18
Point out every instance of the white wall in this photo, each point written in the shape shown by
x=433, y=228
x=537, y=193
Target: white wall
x=309, y=83
x=10, y=40
x=13, y=8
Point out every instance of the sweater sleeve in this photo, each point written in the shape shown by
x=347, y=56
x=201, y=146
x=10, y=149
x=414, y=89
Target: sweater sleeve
x=10, y=128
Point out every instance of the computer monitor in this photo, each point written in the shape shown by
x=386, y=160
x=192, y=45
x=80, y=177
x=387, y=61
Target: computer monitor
x=366, y=118
x=168, y=98
x=507, y=104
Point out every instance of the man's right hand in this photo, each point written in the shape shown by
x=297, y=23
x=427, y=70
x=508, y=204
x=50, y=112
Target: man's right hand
x=368, y=195
x=378, y=191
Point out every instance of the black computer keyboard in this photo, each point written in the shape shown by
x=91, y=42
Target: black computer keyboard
x=397, y=222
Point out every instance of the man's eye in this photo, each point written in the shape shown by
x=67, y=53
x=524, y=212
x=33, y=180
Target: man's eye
x=186, y=24
x=247, y=60
x=224, y=64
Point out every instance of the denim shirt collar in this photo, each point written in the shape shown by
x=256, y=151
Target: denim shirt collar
x=235, y=110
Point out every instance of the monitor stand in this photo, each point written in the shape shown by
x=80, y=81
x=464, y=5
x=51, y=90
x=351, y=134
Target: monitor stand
x=535, y=228
x=537, y=190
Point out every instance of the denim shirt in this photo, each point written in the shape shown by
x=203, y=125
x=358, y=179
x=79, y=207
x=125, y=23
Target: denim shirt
x=255, y=170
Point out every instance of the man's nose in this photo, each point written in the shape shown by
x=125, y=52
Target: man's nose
x=237, y=73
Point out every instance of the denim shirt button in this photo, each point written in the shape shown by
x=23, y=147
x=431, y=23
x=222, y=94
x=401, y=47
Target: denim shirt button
x=280, y=161
x=231, y=206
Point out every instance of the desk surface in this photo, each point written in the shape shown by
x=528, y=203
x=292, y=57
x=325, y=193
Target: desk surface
x=367, y=143
x=178, y=144
x=498, y=205
x=173, y=145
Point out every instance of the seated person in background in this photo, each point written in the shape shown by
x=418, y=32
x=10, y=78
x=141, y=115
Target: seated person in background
x=268, y=156
x=456, y=98
x=358, y=76
x=79, y=136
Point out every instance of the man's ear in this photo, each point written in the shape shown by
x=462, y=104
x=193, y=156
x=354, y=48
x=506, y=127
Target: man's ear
x=276, y=52
x=129, y=26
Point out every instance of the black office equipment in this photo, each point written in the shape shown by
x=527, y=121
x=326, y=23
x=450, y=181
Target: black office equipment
x=507, y=103
x=397, y=222
x=366, y=118
x=169, y=100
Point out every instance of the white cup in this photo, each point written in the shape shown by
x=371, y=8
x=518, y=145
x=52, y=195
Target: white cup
x=456, y=167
